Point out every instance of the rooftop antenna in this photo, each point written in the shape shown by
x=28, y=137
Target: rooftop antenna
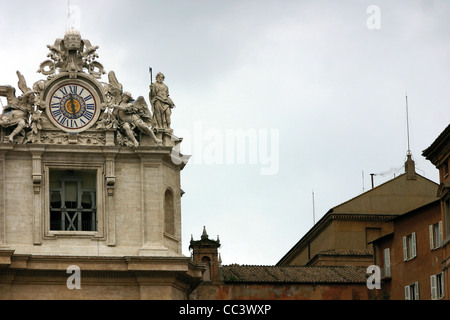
x=314, y=209
x=362, y=181
x=407, y=126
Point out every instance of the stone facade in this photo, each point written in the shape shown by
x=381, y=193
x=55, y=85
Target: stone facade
x=89, y=178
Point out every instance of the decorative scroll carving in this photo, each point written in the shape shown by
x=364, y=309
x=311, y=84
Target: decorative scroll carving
x=72, y=54
x=66, y=138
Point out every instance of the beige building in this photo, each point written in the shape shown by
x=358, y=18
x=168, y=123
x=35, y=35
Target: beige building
x=343, y=235
x=90, y=191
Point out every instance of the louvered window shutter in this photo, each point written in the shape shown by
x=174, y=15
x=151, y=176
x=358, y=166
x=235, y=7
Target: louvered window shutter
x=387, y=262
x=416, y=291
x=430, y=228
x=405, y=249
x=433, y=283
x=413, y=245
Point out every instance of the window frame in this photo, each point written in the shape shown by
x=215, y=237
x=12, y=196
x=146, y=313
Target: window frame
x=412, y=291
x=409, y=246
x=437, y=285
x=100, y=199
x=74, y=216
x=436, y=235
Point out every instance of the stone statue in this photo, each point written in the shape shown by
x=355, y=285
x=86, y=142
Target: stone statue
x=162, y=104
x=134, y=114
x=19, y=109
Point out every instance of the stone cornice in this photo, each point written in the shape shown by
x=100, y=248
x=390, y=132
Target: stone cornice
x=128, y=269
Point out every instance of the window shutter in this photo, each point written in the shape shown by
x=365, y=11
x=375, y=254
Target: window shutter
x=440, y=235
x=413, y=245
x=442, y=285
x=433, y=283
x=405, y=249
x=430, y=228
x=407, y=293
x=416, y=291
x=387, y=262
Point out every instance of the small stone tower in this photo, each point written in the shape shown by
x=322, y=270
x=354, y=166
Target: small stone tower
x=205, y=251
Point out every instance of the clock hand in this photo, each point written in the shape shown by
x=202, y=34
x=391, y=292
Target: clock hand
x=71, y=102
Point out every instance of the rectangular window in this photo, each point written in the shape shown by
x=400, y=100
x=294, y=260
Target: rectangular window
x=436, y=238
x=73, y=198
x=409, y=247
x=437, y=286
x=412, y=292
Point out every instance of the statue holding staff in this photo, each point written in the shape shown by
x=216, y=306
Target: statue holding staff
x=161, y=103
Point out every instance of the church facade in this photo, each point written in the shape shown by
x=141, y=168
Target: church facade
x=90, y=191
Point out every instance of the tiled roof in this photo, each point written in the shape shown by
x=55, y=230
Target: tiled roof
x=347, y=252
x=294, y=274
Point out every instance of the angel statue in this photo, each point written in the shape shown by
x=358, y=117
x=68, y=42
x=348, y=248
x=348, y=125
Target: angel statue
x=19, y=109
x=134, y=114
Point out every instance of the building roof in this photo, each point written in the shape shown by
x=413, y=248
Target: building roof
x=346, y=252
x=395, y=196
x=384, y=202
x=294, y=274
x=439, y=149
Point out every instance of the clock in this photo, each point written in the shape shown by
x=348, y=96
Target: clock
x=73, y=106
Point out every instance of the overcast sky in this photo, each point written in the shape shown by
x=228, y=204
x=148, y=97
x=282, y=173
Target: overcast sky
x=317, y=87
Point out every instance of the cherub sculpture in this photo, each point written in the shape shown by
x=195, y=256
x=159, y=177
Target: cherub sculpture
x=135, y=114
x=19, y=109
x=128, y=114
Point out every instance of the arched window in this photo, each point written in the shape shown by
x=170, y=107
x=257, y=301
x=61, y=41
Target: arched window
x=169, y=212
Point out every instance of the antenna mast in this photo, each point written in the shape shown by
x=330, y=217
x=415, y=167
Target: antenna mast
x=407, y=125
x=314, y=209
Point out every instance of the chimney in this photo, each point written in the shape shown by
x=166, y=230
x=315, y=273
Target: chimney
x=410, y=168
x=371, y=177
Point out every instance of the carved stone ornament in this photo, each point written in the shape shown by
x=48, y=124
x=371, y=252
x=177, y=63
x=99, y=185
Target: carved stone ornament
x=72, y=106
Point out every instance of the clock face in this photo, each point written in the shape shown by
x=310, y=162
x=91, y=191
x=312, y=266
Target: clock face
x=73, y=107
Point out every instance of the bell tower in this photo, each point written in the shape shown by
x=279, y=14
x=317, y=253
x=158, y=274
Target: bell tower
x=90, y=178
x=205, y=251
